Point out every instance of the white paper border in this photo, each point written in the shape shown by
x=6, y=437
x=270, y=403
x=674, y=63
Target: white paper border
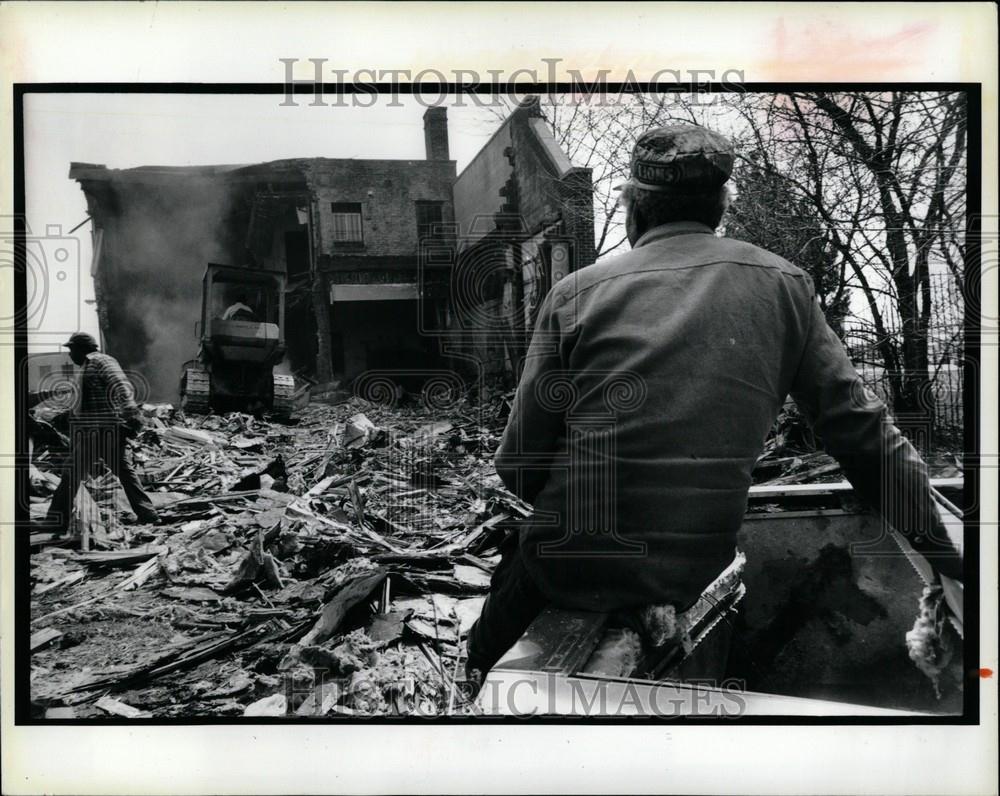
x=242, y=42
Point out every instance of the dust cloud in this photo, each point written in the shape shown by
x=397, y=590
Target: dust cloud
x=158, y=240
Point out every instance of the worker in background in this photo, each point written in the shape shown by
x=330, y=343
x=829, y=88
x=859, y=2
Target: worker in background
x=239, y=310
x=650, y=385
x=104, y=416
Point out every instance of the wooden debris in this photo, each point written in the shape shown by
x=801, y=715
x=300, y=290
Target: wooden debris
x=44, y=637
x=49, y=538
x=60, y=713
x=809, y=474
x=120, y=558
x=272, y=581
x=70, y=579
x=262, y=585
x=321, y=487
x=182, y=434
x=197, y=594
x=140, y=576
x=471, y=576
x=349, y=595
x=255, y=444
x=117, y=708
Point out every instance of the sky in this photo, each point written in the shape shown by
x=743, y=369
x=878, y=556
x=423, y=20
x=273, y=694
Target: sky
x=127, y=130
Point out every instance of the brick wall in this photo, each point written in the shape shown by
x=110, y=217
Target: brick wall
x=387, y=191
x=521, y=193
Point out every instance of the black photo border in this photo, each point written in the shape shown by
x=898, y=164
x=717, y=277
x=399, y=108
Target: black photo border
x=971, y=386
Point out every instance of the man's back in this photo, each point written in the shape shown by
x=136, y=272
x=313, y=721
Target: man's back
x=666, y=367
x=649, y=388
x=105, y=389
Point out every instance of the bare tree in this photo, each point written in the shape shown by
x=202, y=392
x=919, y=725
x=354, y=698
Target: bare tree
x=768, y=213
x=885, y=172
x=874, y=182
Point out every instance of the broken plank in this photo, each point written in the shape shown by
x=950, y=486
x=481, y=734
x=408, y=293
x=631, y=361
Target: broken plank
x=43, y=637
x=350, y=594
x=188, y=435
x=118, y=708
x=141, y=575
x=761, y=491
x=421, y=558
x=42, y=539
x=321, y=487
x=211, y=499
x=120, y=558
x=473, y=576
x=805, y=476
x=174, y=661
x=465, y=541
x=69, y=580
x=298, y=508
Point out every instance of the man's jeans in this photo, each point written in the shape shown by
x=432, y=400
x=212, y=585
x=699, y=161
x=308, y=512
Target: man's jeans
x=513, y=602
x=88, y=444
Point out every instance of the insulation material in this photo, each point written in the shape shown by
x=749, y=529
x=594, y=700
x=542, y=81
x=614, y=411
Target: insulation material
x=617, y=655
x=929, y=644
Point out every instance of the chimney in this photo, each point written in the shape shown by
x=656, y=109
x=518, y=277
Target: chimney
x=436, y=133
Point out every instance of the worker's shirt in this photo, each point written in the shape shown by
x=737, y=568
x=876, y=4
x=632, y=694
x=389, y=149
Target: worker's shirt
x=237, y=309
x=105, y=391
x=650, y=385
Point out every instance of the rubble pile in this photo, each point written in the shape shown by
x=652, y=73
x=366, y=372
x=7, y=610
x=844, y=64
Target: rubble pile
x=332, y=566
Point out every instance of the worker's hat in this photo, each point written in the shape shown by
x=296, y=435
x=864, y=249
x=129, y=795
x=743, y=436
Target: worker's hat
x=81, y=340
x=682, y=159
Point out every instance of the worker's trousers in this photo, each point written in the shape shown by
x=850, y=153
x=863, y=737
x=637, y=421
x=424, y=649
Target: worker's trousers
x=90, y=444
x=514, y=601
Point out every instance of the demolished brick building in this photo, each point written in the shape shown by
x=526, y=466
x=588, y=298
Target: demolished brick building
x=392, y=265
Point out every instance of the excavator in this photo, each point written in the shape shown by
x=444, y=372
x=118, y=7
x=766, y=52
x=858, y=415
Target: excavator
x=242, y=339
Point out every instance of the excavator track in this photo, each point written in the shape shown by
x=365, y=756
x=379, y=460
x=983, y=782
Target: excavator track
x=284, y=396
x=196, y=391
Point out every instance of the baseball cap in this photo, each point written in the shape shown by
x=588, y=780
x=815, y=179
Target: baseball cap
x=680, y=158
x=81, y=340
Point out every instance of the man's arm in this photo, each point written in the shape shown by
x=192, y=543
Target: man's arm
x=534, y=427
x=857, y=430
x=120, y=394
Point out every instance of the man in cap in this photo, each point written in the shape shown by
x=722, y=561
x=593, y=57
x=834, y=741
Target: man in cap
x=650, y=385
x=105, y=414
x=239, y=310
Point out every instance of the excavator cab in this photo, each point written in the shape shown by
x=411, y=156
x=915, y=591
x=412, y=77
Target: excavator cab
x=242, y=340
